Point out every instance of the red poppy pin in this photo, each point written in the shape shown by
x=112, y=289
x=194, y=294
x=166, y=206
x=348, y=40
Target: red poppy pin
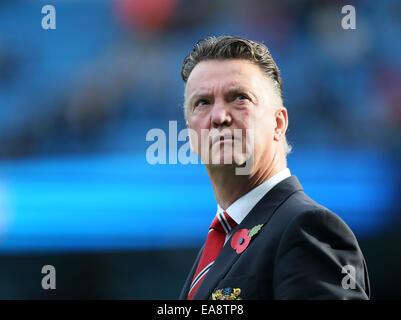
x=240, y=240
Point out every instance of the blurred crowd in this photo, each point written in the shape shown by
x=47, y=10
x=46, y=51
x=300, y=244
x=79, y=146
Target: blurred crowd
x=111, y=70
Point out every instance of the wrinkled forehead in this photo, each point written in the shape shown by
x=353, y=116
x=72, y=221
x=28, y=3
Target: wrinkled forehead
x=214, y=75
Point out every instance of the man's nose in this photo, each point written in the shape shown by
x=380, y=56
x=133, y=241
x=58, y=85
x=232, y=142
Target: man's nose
x=220, y=115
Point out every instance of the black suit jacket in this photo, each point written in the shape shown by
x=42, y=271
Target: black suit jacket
x=299, y=253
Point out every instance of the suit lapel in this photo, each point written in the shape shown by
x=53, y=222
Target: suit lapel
x=185, y=289
x=261, y=213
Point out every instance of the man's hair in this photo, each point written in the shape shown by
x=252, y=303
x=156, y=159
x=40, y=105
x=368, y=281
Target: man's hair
x=229, y=47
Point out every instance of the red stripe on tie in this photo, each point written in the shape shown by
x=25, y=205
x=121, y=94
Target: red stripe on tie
x=214, y=244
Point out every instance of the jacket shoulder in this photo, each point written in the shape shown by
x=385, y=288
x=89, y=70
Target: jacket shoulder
x=300, y=212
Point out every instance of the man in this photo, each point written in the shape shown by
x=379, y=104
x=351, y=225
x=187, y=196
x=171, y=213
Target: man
x=269, y=240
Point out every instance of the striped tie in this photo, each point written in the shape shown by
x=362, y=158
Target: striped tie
x=220, y=227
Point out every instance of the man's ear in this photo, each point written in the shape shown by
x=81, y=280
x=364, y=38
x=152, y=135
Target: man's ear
x=281, y=117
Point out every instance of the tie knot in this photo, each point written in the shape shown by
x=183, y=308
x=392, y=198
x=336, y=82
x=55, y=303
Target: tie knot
x=222, y=222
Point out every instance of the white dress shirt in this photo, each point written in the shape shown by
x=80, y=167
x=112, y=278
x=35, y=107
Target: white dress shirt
x=240, y=208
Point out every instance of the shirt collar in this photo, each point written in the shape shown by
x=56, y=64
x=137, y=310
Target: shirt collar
x=239, y=209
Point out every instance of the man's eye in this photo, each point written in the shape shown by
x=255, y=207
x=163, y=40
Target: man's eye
x=241, y=97
x=201, y=102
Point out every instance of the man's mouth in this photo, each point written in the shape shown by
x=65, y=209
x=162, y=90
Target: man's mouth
x=223, y=139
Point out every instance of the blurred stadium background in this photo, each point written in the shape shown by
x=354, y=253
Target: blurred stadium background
x=76, y=103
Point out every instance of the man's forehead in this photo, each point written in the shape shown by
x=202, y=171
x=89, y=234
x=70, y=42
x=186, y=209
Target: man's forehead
x=227, y=74
x=207, y=68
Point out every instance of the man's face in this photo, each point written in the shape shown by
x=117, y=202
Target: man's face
x=226, y=95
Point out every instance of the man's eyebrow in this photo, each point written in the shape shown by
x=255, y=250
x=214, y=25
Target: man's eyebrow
x=196, y=94
x=241, y=89
x=237, y=88
x=231, y=90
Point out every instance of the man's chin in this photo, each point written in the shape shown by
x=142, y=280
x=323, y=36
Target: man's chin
x=227, y=162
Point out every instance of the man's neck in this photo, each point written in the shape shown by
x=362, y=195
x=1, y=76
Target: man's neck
x=228, y=186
